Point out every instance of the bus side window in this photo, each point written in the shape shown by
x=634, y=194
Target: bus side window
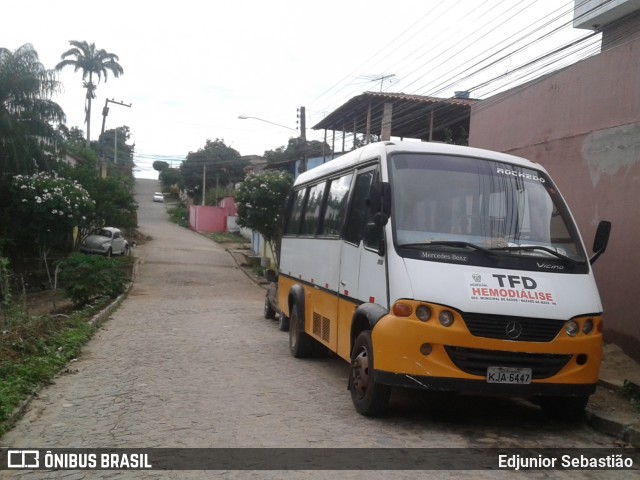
x=312, y=210
x=336, y=206
x=293, y=222
x=358, y=213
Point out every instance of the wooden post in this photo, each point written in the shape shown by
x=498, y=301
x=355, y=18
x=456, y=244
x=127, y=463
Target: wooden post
x=387, y=114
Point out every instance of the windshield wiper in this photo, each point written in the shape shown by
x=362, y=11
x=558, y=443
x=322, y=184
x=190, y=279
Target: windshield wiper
x=452, y=243
x=569, y=261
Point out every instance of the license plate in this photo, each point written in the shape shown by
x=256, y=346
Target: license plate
x=520, y=376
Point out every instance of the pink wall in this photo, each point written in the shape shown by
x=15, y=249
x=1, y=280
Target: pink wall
x=207, y=219
x=211, y=219
x=583, y=125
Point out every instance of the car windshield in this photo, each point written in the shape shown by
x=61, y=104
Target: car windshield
x=104, y=233
x=446, y=201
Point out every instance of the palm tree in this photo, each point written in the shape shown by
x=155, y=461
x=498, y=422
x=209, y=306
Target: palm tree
x=29, y=120
x=90, y=60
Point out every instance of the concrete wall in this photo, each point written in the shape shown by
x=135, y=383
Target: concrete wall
x=583, y=125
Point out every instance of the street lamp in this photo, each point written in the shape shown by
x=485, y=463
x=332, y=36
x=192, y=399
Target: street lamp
x=245, y=117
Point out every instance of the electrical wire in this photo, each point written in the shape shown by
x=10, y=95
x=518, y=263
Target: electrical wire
x=542, y=64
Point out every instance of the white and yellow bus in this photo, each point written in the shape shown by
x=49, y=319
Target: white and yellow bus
x=442, y=267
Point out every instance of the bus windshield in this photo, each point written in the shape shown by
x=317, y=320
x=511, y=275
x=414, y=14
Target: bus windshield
x=478, y=203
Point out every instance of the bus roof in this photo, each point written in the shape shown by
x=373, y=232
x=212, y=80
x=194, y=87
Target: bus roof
x=373, y=150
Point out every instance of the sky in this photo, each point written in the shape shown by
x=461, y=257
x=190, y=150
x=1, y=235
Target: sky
x=192, y=67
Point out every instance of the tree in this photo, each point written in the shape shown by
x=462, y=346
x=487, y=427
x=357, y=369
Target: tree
x=29, y=120
x=221, y=165
x=170, y=177
x=295, y=150
x=160, y=165
x=49, y=207
x=114, y=203
x=260, y=200
x=115, y=149
x=90, y=60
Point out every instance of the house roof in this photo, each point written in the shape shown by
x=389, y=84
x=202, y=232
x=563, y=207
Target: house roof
x=411, y=114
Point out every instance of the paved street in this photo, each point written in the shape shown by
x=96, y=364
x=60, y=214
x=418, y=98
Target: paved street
x=188, y=360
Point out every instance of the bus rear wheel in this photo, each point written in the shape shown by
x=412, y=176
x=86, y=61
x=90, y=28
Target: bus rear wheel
x=369, y=397
x=269, y=312
x=300, y=344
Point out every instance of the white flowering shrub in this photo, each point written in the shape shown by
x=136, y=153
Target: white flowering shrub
x=260, y=200
x=50, y=206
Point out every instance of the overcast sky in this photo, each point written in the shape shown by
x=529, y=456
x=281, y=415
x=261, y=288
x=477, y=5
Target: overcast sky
x=191, y=67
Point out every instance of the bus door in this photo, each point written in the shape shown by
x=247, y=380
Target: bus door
x=362, y=270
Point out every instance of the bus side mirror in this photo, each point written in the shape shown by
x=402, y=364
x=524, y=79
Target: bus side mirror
x=601, y=240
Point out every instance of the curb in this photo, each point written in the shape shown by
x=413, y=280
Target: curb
x=262, y=284
x=628, y=432
x=626, y=429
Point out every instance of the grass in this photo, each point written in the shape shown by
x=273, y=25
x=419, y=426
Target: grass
x=34, y=349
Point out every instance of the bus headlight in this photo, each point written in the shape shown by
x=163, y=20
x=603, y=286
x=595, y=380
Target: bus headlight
x=446, y=318
x=423, y=313
x=587, y=327
x=571, y=328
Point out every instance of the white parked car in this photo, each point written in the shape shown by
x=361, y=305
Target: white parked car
x=105, y=241
x=158, y=197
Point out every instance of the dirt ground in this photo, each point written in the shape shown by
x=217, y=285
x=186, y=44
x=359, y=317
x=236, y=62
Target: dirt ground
x=47, y=302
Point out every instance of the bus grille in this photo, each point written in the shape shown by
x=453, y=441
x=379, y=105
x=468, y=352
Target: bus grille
x=321, y=327
x=475, y=362
x=495, y=326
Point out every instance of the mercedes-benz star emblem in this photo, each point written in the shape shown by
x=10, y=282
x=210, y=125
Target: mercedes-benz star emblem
x=513, y=330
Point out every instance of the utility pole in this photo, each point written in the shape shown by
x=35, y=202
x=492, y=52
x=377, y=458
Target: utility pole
x=204, y=181
x=303, y=139
x=105, y=112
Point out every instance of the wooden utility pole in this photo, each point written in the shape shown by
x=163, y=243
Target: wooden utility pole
x=303, y=139
x=105, y=112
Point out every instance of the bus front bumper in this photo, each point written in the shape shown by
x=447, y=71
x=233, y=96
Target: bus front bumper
x=427, y=355
x=481, y=387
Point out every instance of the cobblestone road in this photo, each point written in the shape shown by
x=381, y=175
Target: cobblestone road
x=188, y=361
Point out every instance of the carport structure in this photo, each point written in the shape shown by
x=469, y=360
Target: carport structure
x=400, y=115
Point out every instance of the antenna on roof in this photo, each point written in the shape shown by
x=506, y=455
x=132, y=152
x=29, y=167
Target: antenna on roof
x=378, y=78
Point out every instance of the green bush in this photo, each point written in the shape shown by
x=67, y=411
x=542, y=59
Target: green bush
x=179, y=214
x=86, y=277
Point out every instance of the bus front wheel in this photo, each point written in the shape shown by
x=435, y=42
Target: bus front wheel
x=369, y=397
x=300, y=344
